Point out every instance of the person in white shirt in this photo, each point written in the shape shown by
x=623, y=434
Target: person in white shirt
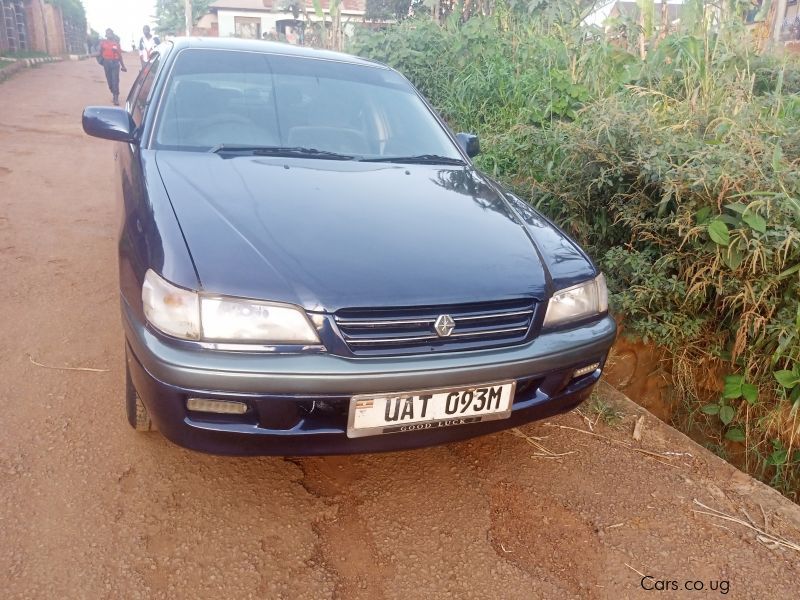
x=147, y=44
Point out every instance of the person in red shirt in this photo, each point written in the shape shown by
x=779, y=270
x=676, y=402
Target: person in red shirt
x=110, y=56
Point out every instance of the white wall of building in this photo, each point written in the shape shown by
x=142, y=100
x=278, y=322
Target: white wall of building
x=227, y=20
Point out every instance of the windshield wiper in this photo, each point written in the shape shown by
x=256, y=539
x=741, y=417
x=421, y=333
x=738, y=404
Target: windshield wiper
x=421, y=159
x=288, y=151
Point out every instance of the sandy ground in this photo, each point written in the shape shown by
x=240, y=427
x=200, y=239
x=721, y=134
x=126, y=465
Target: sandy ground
x=90, y=509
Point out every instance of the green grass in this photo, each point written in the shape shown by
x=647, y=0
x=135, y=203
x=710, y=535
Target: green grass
x=5, y=63
x=25, y=54
x=600, y=410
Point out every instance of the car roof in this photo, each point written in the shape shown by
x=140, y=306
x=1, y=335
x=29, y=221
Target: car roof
x=215, y=43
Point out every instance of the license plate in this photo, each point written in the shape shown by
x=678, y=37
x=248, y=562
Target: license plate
x=374, y=414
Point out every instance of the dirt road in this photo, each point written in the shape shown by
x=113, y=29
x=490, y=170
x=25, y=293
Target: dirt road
x=90, y=509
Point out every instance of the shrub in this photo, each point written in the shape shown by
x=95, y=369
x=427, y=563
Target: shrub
x=678, y=173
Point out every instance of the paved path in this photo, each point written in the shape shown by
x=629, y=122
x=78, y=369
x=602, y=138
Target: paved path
x=89, y=509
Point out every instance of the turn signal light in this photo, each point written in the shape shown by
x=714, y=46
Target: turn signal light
x=224, y=407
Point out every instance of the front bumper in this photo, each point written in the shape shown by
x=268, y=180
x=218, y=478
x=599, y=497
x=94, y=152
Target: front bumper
x=298, y=402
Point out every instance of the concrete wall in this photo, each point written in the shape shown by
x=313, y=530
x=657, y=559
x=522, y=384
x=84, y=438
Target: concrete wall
x=45, y=27
x=13, y=30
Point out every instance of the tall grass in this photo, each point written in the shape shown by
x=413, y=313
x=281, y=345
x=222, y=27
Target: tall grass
x=678, y=172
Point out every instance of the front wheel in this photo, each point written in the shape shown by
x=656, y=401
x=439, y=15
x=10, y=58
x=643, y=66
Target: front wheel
x=138, y=417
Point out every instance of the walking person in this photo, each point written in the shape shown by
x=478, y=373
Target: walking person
x=110, y=56
x=147, y=44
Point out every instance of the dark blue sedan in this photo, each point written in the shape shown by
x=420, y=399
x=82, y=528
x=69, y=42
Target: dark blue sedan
x=310, y=263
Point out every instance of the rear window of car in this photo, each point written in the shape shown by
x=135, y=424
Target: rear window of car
x=217, y=97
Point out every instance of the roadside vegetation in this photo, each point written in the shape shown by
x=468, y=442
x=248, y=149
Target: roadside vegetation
x=22, y=54
x=677, y=171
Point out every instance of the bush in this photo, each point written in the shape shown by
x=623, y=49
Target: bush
x=678, y=173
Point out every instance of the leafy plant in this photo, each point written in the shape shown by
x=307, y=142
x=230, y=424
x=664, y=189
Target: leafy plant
x=677, y=172
x=737, y=387
x=603, y=411
x=790, y=380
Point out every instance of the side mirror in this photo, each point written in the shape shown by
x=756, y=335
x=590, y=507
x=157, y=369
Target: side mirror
x=470, y=143
x=109, y=123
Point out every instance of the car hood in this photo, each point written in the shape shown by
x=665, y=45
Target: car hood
x=334, y=234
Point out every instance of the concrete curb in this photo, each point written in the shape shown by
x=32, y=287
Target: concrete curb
x=32, y=62
x=23, y=63
x=736, y=482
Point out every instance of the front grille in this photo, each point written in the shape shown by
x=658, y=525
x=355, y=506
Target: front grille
x=370, y=332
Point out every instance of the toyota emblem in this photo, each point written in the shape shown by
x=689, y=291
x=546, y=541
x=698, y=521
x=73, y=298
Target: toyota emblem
x=444, y=325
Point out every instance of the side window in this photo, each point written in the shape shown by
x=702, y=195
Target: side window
x=148, y=75
x=134, y=90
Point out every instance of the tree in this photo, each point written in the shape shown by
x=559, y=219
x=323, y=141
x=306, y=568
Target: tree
x=170, y=16
x=72, y=11
x=664, y=20
x=645, y=25
x=295, y=7
x=380, y=10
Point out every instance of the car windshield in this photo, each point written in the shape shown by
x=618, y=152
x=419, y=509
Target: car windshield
x=216, y=99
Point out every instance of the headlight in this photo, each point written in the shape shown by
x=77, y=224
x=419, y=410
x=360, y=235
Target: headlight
x=578, y=302
x=188, y=315
x=228, y=319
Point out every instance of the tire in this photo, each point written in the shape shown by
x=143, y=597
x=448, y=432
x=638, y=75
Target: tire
x=138, y=417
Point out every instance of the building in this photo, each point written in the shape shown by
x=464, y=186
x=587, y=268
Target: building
x=267, y=18
x=789, y=24
x=630, y=11
x=13, y=26
x=36, y=25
